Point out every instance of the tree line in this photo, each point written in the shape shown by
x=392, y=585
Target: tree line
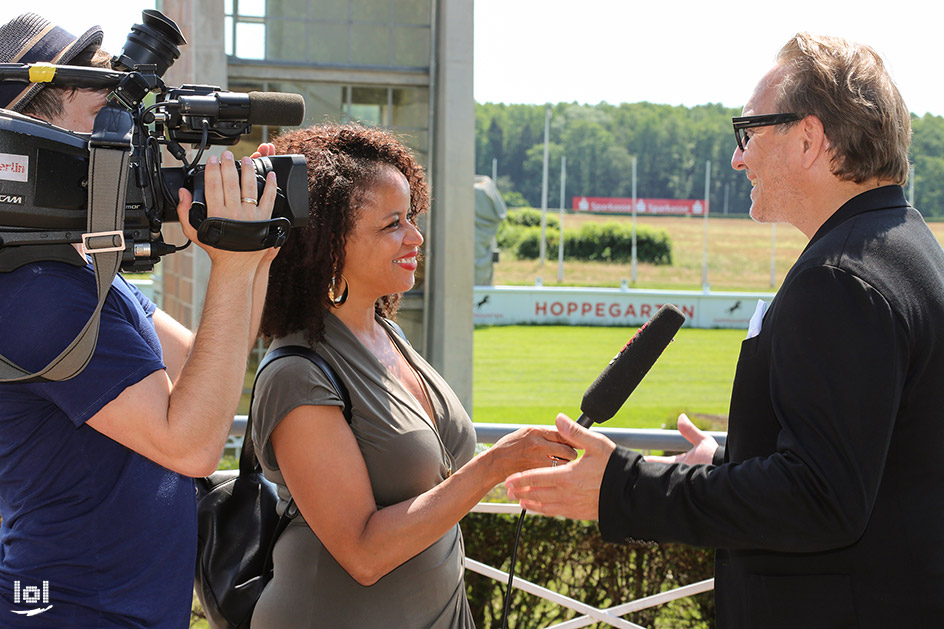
x=671, y=145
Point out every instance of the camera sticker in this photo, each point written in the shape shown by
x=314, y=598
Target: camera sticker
x=14, y=167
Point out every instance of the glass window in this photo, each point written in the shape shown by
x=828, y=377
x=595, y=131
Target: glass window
x=286, y=40
x=251, y=8
x=370, y=11
x=228, y=35
x=410, y=46
x=295, y=10
x=324, y=102
x=366, y=114
x=418, y=142
x=411, y=11
x=370, y=44
x=369, y=105
x=410, y=107
x=330, y=10
x=250, y=40
x=377, y=33
x=327, y=43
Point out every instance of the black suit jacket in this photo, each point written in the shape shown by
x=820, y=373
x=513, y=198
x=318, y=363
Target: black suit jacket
x=827, y=510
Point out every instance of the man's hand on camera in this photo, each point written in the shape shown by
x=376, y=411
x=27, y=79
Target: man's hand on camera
x=230, y=194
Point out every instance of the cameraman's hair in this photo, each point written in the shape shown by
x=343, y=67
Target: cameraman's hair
x=48, y=102
x=344, y=163
x=847, y=87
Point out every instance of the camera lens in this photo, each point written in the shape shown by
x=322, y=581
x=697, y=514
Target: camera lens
x=155, y=42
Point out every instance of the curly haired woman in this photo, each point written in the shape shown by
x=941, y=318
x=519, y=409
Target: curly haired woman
x=377, y=542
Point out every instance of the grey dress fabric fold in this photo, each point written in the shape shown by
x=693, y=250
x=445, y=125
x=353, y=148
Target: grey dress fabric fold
x=405, y=457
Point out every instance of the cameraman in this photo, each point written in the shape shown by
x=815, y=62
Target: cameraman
x=98, y=507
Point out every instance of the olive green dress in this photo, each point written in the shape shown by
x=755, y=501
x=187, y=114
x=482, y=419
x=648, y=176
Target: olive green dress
x=405, y=457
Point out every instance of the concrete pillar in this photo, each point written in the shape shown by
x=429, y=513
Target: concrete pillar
x=184, y=275
x=451, y=268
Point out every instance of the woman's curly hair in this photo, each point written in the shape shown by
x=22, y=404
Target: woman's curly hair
x=344, y=161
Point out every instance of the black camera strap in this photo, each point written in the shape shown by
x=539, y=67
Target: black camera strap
x=110, y=154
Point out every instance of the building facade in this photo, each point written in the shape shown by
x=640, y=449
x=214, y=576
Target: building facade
x=405, y=65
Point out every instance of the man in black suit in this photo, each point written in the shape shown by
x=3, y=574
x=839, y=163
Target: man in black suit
x=825, y=505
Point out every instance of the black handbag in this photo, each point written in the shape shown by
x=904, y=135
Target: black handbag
x=237, y=522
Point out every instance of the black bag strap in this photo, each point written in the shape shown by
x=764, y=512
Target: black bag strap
x=248, y=463
x=247, y=455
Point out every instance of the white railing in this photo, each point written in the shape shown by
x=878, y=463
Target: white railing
x=637, y=439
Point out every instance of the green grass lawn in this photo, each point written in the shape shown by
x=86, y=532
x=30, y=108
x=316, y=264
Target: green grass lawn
x=527, y=374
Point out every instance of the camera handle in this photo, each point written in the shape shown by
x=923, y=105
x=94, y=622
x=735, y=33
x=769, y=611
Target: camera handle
x=233, y=235
x=110, y=154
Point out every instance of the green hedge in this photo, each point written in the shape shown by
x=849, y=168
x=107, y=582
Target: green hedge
x=595, y=242
x=571, y=558
x=530, y=217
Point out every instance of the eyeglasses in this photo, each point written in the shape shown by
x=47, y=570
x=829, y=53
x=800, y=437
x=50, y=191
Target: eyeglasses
x=742, y=123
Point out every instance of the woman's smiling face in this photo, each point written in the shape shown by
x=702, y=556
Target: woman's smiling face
x=380, y=257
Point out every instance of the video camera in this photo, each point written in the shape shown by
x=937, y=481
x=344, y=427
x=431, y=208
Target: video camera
x=45, y=170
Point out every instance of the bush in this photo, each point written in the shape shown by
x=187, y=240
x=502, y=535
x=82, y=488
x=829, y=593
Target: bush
x=530, y=217
x=595, y=242
x=514, y=198
x=571, y=558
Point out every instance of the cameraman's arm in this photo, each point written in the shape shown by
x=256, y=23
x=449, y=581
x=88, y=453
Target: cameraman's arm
x=176, y=342
x=183, y=424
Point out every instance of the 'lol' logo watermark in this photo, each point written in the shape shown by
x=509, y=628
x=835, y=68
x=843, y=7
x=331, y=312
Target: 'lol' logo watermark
x=31, y=595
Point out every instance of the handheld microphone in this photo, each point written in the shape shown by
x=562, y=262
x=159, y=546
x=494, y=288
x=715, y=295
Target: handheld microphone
x=627, y=369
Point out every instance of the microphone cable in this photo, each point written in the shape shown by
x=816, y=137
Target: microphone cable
x=511, y=569
x=514, y=558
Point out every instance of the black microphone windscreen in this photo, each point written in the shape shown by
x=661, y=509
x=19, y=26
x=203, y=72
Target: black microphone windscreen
x=278, y=109
x=627, y=369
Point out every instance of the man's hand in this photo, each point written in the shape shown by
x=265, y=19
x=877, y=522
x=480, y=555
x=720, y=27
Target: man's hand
x=703, y=445
x=230, y=194
x=572, y=489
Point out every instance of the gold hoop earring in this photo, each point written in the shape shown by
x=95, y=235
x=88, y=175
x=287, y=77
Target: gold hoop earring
x=338, y=300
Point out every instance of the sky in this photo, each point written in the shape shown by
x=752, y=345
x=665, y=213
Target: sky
x=676, y=52
x=687, y=52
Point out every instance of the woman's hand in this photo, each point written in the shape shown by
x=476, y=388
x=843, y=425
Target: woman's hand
x=527, y=448
x=571, y=490
x=265, y=149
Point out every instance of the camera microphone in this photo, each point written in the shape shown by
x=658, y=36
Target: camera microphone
x=627, y=369
x=266, y=108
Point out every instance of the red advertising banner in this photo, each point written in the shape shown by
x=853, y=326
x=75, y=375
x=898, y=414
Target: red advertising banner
x=615, y=205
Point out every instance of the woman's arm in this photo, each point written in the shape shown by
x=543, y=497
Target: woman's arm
x=326, y=474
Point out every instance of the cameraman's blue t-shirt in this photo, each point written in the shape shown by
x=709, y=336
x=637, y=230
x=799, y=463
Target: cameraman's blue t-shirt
x=92, y=533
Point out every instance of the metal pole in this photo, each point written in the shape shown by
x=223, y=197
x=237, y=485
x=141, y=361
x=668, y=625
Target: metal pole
x=560, y=238
x=773, y=252
x=911, y=173
x=495, y=170
x=547, y=132
x=705, y=287
x=633, y=275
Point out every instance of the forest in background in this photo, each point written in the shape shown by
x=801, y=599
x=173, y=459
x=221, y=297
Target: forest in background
x=671, y=145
